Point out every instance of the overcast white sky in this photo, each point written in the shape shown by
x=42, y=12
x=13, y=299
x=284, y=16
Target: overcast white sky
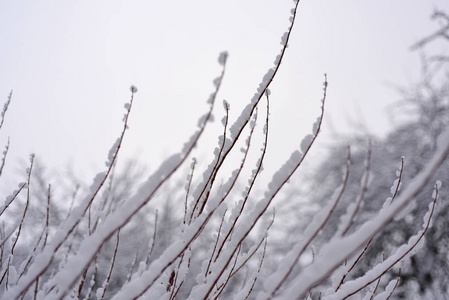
x=70, y=65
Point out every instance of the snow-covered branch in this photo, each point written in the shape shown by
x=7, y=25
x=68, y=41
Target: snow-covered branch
x=217, y=245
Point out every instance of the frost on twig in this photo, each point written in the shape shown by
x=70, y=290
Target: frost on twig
x=46, y=257
x=67, y=277
x=274, y=282
x=354, y=286
x=5, y=152
x=347, y=220
x=339, y=249
x=218, y=249
x=5, y=108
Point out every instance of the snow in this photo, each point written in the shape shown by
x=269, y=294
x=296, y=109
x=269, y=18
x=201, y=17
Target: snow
x=99, y=293
x=98, y=180
x=222, y=58
x=112, y=153
x=226, y=105
x=394, y=186
x=438, y=185
x=11, y=197
x=372, y=275
x=284, y=38
x=305, y=143
x=266, y=79
x=427, y=217
x=139, y=285
x=283, y=173
x=316, y=126
x=217, y=81
x=388, y=290
x=329, y=258
x=75, y=265
x=91, y=245
x=291, y=259
x=241, y=231
x=337, y=250
x=202, y=120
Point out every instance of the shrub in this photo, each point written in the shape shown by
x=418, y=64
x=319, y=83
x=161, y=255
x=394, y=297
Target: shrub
x=219, y=248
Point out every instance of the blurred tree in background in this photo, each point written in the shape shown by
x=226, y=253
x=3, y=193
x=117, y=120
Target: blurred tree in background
x=425, y=109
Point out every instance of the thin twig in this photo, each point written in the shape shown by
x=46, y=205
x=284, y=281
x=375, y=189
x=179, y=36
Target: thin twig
x=204, y=195
x=5, y=108
x=108, y=279
x=5, y=152
x=396, y=190
x=260, y=268
x=411, y=247
x=133, y=265
x=20, y=225
x=396, y=284
x=12, y=197
x=153, y=240
x=363, y=192
x=73, y=222
x=215, y=244
x=320, y=227
x=189, y=184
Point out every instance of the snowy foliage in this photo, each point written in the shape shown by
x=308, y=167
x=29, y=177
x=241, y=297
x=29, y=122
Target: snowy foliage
x=409, y=146
x=209, y=240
